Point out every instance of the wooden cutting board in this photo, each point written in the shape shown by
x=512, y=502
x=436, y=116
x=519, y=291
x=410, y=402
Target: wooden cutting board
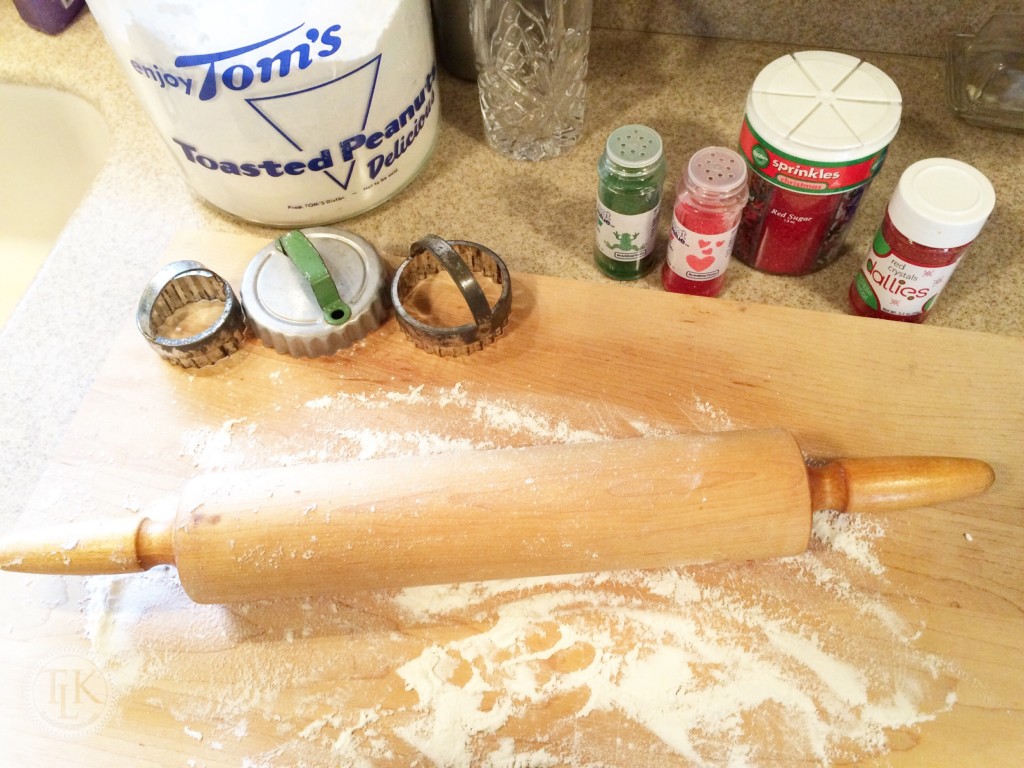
x=897, y=640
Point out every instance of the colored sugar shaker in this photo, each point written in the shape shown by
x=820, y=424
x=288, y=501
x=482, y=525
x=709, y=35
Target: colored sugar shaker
x=710, y=196
x=817, y=129
x=630, y=173
x=937, y=210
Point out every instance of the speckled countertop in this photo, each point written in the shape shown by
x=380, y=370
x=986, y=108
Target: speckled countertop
x=537, y=216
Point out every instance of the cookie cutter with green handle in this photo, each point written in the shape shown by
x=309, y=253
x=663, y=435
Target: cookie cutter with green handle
x=304, y=255
x=291, y=307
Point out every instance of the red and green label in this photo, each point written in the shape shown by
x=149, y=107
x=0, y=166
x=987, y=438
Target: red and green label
x=893, y=285
x=802, y=175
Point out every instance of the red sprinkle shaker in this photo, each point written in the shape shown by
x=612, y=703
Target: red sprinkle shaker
x=933, y=216
x=710, y=197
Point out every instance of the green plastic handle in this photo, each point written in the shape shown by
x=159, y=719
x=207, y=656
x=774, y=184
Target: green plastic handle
x=304, y=255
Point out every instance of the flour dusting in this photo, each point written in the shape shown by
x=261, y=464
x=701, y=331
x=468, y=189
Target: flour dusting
x=737, y=665
x=497, y=421
x=695, y=656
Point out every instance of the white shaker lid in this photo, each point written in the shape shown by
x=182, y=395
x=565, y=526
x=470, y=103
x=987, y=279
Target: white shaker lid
x=824, y=106
x=634, y=146
x=941, y=203
x=282, y=307
x=717, y=169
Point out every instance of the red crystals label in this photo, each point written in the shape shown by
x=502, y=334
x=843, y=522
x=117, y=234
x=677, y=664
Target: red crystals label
x=893, y=284
x=801, y=175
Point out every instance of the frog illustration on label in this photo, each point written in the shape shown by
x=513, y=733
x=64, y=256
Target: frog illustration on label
x=624, y=242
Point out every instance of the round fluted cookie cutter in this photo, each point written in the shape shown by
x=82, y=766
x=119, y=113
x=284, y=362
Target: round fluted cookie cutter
x=460, y=258
x=314, y=291
x=178, y=285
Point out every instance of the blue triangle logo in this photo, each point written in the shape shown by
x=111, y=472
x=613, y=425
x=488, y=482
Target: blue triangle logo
x=298, y=116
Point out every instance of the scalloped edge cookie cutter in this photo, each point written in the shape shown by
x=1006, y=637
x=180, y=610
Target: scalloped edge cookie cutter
x=177, y=285
x=460, y=258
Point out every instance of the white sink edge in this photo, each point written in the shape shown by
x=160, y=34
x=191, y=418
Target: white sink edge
x=52, y=146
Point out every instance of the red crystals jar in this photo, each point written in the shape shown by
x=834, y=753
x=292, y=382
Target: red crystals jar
x=936, y=211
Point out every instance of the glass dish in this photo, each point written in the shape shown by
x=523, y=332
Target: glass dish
x=985, y=73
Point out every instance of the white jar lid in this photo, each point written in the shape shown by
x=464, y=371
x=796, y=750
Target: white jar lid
x=824, y=106
x=941, y=203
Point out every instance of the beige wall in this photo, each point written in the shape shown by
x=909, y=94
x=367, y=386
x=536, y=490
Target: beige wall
x=918, y=27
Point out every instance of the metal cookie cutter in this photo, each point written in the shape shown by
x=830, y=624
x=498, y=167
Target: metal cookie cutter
x=461, y=259
x=178, y=285
x=314, y=291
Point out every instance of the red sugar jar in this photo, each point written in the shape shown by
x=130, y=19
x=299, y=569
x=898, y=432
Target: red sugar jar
x=816, y=132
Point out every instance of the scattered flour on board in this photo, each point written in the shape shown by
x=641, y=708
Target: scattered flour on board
x=720, y=664
x=497, y=419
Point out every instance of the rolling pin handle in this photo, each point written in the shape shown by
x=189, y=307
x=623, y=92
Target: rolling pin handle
x=154, y=543
x=828, y=486
x=93, y=548
x=889, y=484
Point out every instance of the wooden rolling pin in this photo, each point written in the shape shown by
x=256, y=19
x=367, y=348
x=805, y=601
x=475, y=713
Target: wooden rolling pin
x=639, y=503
